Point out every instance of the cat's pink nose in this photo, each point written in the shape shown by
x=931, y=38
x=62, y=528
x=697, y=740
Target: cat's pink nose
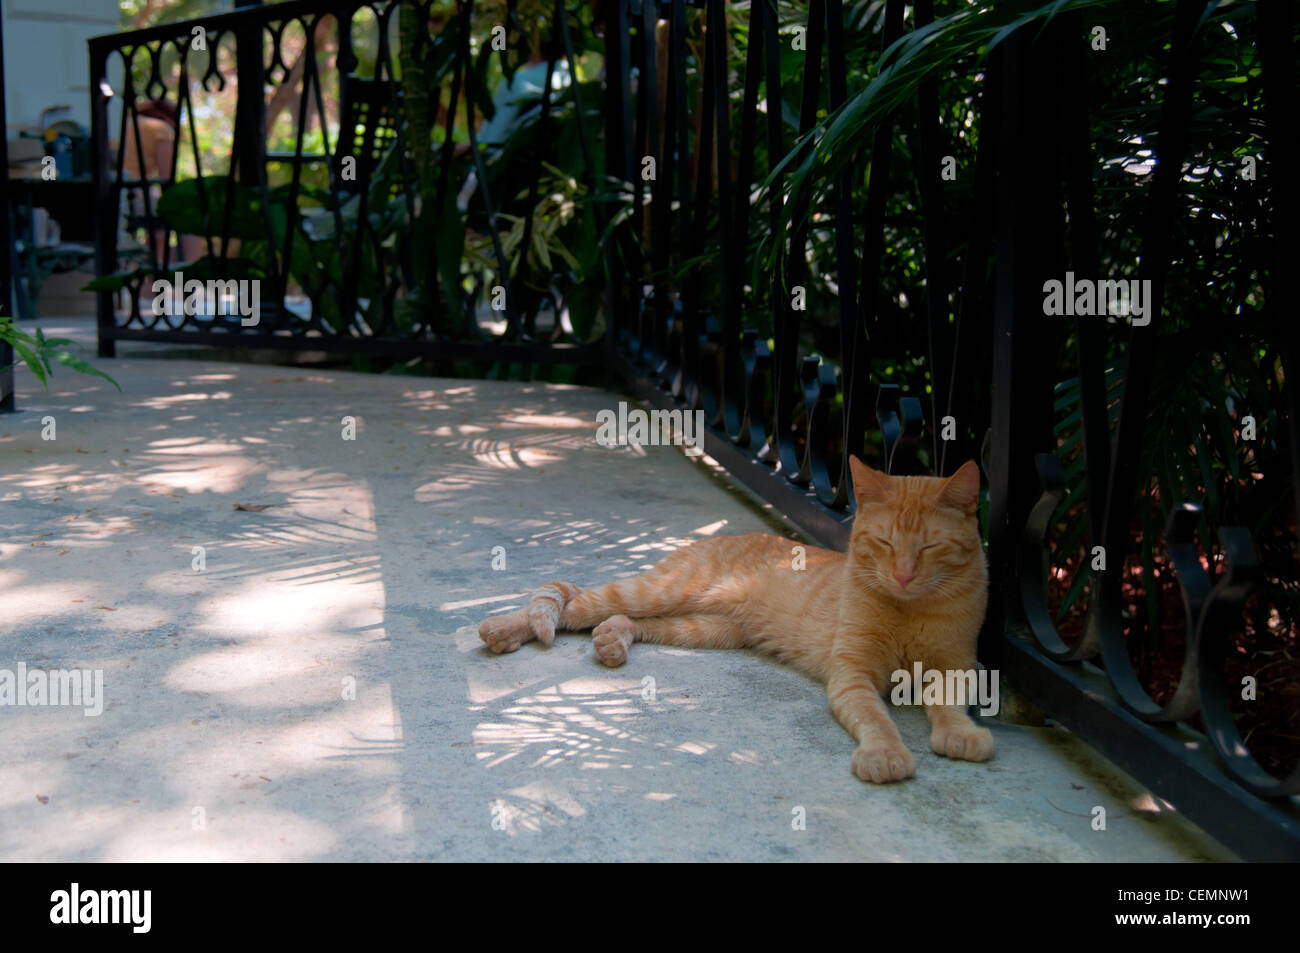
x=904, y=580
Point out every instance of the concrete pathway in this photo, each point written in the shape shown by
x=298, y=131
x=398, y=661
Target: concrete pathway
x=319, y=692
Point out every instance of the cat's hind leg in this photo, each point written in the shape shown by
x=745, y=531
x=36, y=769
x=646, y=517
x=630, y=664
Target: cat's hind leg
x=663, y=590
x=558, y=605
x=564, y=607
x=546, y=609
x=613, y=638
x=537, y=620
x=505, y=633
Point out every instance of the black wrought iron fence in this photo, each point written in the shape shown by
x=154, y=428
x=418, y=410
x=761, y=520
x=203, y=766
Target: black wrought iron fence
x=350, y=223
x=788, y=403
x=830, y=260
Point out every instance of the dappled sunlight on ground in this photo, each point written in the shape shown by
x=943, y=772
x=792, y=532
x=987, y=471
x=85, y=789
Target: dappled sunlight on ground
x=592, y=719
x=286, y=622
x=241, y=645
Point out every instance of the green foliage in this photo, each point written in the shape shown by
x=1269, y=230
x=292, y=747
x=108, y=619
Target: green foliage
x=40, y=353
x=1219, y=357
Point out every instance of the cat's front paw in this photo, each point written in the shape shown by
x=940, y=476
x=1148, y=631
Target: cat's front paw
x=882, y=762
x=505, y=633
x=964, y=742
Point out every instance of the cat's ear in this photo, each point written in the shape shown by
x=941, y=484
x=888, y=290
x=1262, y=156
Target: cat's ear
x=962, y=489
x=869, y=486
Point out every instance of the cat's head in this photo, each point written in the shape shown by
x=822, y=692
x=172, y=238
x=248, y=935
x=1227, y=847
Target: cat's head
x=916, y=537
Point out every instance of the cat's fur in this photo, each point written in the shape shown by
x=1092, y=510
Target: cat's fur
x=912, y=588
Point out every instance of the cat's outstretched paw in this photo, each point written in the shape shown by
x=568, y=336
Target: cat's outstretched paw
x=612, y=639
x=882, y=762
x=964, y=742
x=505, y=633
x=544, y=611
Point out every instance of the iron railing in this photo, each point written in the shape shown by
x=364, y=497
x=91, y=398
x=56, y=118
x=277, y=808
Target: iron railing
x=785, y=419
x=337, y=275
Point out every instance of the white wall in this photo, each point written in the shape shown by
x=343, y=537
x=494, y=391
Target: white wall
x=45, y=56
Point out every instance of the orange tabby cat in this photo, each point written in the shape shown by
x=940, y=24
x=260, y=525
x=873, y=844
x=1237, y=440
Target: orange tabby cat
x=912, y=588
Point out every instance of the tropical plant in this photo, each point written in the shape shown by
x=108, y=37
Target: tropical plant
x=40, y=353
x=1220, y=348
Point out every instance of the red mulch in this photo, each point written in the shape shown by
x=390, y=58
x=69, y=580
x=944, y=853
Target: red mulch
x=1264, y=647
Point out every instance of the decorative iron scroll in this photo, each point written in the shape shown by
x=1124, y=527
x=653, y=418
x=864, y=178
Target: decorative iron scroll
x=343, y=270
